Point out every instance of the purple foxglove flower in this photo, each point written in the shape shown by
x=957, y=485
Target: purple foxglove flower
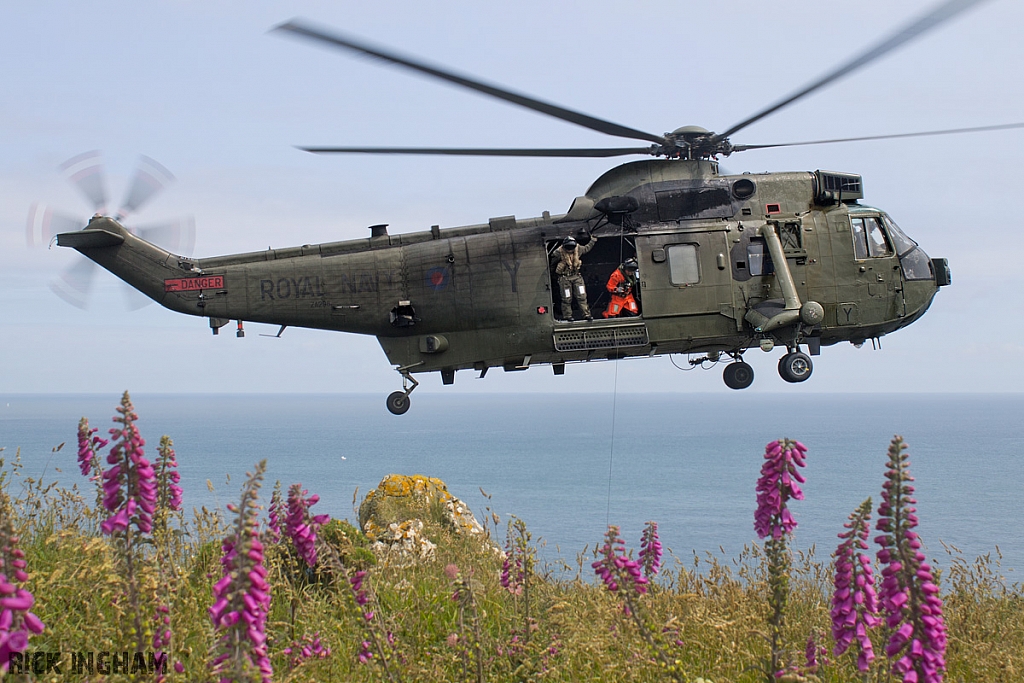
x=275, y=514
x=908, y=595
x=89, y=446
x=300, y=526
x=17, y=642
x=129, y=485
x=813, y=651
x=16, y=622
x=777, y=484
x=650, y=550
x=615, y=568
x=21, y=602
x=242, y=595
x=166, y=492
x=854, y=602
x=308, y=647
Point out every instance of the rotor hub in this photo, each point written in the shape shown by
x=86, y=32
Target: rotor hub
x=694, y=142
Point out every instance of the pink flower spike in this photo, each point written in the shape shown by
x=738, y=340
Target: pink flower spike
x=776, y=485
x=300, y=526
x=239, y=613
x=16, y=622
x=907, y=592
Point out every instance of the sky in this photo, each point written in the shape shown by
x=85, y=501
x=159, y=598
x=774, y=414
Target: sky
x=203, y=88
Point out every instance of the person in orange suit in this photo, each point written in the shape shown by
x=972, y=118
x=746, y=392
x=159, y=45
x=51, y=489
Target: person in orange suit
x=621, y=284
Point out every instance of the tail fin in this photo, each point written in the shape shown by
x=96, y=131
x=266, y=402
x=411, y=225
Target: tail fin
x=142, y=265
x=89, y=239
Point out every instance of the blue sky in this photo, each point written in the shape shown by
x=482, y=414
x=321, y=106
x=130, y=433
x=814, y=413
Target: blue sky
x=205, y=90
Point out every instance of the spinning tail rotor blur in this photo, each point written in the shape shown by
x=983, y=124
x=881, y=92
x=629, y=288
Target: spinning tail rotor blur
x=85, y=172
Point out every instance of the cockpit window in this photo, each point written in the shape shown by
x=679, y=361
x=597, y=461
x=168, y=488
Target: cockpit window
x=860, y=242
x=868, y=238
x=899, y=238
x=916, y=265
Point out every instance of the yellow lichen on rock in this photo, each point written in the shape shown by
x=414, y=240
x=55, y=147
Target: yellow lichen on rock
x=401, y=485
x=400, y=498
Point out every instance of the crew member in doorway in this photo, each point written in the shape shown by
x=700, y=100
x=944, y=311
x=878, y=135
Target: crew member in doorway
x=570, y=281
x=621, y=285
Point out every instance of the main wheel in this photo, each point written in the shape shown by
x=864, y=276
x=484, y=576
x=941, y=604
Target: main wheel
x=398, y=402
x=795, y=367
x=738, y=375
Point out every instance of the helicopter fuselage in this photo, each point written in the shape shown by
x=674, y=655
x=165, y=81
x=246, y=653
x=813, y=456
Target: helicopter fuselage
x=481, y=296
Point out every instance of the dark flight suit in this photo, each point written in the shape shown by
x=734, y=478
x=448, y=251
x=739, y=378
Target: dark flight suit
x=570, y=281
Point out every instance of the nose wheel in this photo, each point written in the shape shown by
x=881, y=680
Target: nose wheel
x=398, y=401
x=795, y=367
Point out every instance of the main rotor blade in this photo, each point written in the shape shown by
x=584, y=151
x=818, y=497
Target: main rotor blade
x=950, y=131
x=497, y=152
x=935, y=17
x=150, y=177
x=303, y=29
x=85, y=172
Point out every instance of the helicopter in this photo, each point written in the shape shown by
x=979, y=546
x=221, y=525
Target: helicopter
x=726, y=263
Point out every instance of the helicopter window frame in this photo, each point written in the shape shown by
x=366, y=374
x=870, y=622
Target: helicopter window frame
x=683, y=264
x=904, y=244
x=869, y=239
x=916, y=265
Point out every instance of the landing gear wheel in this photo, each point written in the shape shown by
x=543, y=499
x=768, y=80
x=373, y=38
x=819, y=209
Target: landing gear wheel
x=795, y=367
x=738, y=375
x=398, y=402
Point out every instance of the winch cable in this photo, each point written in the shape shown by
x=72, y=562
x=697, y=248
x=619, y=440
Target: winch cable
x=615, y=396
x=611, y=448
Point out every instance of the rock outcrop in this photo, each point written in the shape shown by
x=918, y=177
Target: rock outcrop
x=393, y=515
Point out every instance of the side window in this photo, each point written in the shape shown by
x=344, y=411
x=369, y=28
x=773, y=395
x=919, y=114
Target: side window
x=878, y=246
x=759, y=259
x=868, y=238
x=860, y=241
x=682, y=264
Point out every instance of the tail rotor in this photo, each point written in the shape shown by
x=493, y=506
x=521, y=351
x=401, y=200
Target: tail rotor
x=85, y=172
x=150, y=179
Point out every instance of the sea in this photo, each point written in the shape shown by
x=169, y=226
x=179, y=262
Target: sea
x=569, y=465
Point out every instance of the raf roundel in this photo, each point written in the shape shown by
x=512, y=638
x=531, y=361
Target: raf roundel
x=437, y=279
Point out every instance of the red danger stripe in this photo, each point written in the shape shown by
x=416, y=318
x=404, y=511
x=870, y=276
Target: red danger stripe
x=192, y=284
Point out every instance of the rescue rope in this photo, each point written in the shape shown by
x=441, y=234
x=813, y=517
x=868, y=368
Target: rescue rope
x=611, y=449
x=615, y=396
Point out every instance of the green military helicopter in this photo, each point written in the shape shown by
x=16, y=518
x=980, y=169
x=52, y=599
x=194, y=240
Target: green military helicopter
x=726, y=262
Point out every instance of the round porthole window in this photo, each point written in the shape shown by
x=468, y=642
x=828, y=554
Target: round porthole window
x=743, y=188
